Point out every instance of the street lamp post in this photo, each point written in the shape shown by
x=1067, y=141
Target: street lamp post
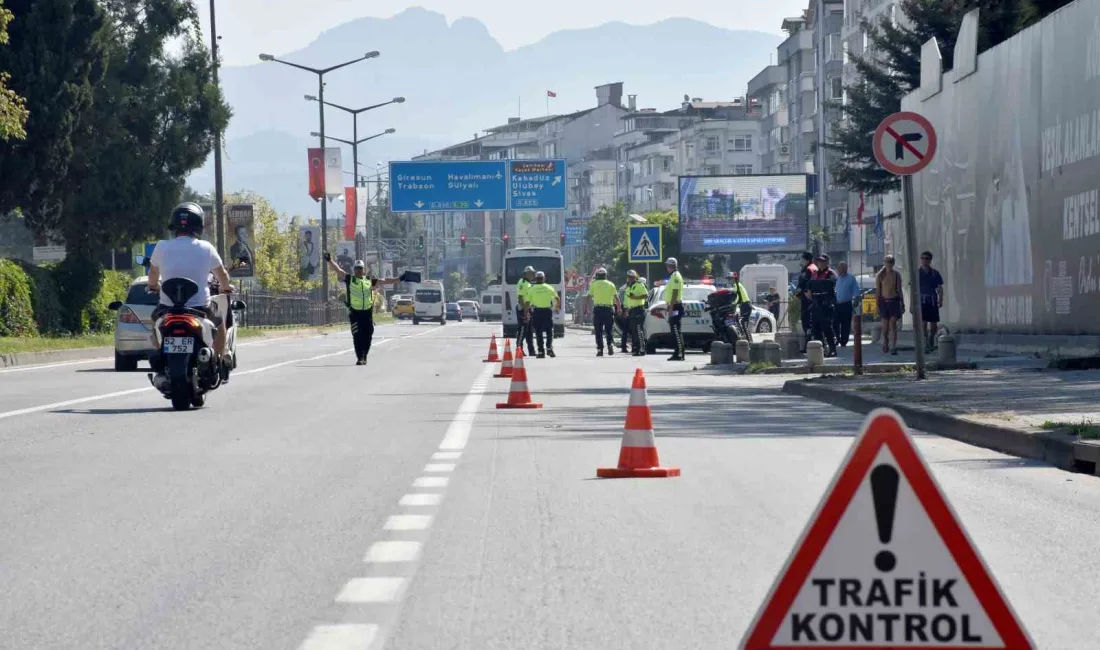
x=354, y=144
x=355, y=127
x=321, y=72
x=219, y=216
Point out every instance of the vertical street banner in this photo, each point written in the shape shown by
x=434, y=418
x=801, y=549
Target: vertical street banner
x=209, y=223
x=334, y=172
x=362, y=208
x=351, y=209
x=241, y=220
x=345, y=255
x=316, y=173
x=309, y=253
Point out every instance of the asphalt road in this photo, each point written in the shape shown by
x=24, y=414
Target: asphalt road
x=318, y=505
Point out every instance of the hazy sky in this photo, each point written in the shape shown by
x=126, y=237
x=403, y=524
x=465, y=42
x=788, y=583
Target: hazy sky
x=251, y=26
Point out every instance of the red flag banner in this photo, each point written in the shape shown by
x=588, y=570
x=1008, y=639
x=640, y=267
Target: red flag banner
x=859, y=212
x=317, y=173
x=351, y=206
x=551, y=93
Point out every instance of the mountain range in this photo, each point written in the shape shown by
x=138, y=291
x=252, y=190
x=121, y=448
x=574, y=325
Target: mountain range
x=457, y=81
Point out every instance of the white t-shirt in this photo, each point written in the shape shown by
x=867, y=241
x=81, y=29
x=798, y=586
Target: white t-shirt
x=186, y=257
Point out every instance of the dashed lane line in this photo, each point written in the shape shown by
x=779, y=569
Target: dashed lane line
x=372, y=601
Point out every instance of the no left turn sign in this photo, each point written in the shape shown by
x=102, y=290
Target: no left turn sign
x=905, y=143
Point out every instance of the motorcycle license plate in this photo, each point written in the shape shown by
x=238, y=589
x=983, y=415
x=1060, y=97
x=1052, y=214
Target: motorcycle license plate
x=179, y=345
x=731, y=321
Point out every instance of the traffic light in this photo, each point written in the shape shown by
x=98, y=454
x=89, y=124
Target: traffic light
x=462, y=240
x=420, y=243
x=505, y=238
x=563, y=239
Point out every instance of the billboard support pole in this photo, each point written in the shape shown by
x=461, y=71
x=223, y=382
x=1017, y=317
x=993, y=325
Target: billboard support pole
x=914, y=287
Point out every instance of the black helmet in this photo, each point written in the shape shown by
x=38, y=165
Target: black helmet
x=186, y=219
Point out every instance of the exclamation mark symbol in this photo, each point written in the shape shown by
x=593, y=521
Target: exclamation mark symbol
x=884, y=493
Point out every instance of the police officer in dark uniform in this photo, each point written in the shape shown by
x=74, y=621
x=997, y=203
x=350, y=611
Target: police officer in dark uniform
x=804, y=301
x=822, y=287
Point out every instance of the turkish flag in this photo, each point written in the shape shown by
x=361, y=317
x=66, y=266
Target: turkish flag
x=317, y=173
x=350, y=209
x=859, y=212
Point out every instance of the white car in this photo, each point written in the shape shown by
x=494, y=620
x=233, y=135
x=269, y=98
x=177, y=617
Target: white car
x=697, y=328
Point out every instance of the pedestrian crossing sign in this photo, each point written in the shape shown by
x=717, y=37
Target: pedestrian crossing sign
x=645, y=244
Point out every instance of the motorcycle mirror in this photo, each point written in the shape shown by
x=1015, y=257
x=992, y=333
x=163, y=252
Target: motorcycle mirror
x=239, y=305
x=115, y=306
x=141, y=260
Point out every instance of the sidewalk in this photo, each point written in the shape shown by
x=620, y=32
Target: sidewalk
x=1026, y=411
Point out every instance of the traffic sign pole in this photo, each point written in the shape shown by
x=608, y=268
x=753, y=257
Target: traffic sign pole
x=905, y=143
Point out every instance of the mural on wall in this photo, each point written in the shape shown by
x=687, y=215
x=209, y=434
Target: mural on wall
x=1009, y=205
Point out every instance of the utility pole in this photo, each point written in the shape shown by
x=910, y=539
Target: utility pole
x=219, y=197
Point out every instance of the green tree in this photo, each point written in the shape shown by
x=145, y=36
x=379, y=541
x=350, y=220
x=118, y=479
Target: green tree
x=605, y=238
x=690, y=265
x=13, y=108
x=54, y=56
x=276, y=247
x=882, y=81
x=152, y=123
x=454, y=284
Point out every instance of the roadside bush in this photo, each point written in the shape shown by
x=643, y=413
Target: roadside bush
x=80, y=281
x=99, y=319
x=16, y=313
x=45, y=299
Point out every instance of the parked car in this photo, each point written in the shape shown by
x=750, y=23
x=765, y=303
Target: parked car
x=697, y=328
x=134, y=326
x=454, y=312
x=470, y=308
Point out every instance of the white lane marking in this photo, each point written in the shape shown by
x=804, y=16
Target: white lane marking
x=459, y=430
x=371, y=590
x=439, y=467
x=408, y=522
x=393, y=551
x=134, y=391
x=413, y=500
x=447, y=455
x=61, y=364
x=340, y=637
x=431, y=482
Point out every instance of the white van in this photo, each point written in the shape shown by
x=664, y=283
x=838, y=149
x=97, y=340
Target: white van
x=547, y=260
x=492, y=303
x=429, y=302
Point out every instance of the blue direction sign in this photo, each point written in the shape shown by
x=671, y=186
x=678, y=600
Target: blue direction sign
x=448, y=186
x=536, y=185
x=645, y=244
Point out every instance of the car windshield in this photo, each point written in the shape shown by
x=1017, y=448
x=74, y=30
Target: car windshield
x=452, y=306
x=139, y=295
x=429, y=295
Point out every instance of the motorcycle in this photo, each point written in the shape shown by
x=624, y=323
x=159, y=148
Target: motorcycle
x=725, y=317
x=186, y=339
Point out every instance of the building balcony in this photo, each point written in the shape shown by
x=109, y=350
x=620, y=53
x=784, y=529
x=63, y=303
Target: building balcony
x=773, y=75
x=809, y=125
x=806, y=82
x=775, y=120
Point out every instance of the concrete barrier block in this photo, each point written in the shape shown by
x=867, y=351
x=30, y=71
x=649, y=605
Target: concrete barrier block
x=815, y=354
x=772, y=353
x=721, y=353
x=756, y=353
x=742, y=351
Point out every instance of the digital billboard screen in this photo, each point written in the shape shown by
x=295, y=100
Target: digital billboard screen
x=744, y=214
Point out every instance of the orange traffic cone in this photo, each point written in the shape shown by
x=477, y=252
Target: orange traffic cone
x=506, y=364
x=493, y=357
x=638, y=455
x=518, y=395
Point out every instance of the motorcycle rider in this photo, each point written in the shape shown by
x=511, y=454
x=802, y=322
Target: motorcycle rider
x=634, y=299
x=744, y=304
x=187, y=256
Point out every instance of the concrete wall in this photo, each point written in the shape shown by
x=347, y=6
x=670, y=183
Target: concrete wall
x=1009, y=205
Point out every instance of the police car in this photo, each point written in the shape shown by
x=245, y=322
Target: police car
x=696, y=324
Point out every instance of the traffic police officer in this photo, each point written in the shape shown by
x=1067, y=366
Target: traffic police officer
x=635, y=298
x=674, y=299
x=605, y=302
x=524, y=328
x=360, y=302
x=542, y=301
x=744, y=304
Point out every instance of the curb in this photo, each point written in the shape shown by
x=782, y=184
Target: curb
x=1057, y=449
x=12, y=359
x=868, y=368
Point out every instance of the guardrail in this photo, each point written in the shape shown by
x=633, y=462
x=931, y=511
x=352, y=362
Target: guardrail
x=275, y=310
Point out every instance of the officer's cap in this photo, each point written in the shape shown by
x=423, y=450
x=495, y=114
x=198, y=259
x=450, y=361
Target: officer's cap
x=359, y=264
x=529, y=269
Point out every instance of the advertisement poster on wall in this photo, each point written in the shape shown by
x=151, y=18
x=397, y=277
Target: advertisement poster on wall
x=344, y=255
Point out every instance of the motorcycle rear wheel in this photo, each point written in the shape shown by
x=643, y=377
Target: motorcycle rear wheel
x=181, y=395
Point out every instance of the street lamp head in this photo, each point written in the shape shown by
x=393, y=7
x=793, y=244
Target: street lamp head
x=310, y=98
x=373, y=54
x=266, y=57
x=398, y=100
x=315, y=134
x=391, y=130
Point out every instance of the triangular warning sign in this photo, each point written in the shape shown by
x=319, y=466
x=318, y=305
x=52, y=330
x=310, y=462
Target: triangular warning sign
x=645, y=247
x=884, y=563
